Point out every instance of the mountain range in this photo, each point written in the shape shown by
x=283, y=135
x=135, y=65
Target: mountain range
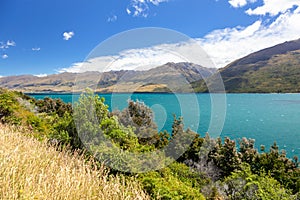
x=171, y=77
x=274, y=69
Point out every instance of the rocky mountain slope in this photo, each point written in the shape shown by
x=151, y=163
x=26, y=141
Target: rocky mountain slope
x=174, y=77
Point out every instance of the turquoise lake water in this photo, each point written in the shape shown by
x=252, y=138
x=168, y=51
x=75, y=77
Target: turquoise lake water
x=263, y=117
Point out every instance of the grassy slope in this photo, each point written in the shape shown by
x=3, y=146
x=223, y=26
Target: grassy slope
x=280, y=73
x=30, y=169
x=23, y=112
x=274, y=69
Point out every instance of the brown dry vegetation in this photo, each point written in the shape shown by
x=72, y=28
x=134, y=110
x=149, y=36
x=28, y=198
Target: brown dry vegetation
x=30, y=169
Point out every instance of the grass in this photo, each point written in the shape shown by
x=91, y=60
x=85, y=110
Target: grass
x=30, y=169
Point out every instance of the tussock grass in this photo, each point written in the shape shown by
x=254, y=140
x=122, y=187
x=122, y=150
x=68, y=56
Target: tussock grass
x=30, y=169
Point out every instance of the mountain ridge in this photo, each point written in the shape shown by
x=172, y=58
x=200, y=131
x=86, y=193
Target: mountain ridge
x=164, y=78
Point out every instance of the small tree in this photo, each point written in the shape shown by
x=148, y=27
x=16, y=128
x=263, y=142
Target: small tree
x=141, y=118
x=226, y=156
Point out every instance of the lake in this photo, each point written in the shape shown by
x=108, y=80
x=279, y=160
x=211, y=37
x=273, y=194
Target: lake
x=263, y=117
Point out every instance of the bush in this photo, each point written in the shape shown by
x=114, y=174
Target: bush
x=243, y=184
x=8, y=106
x=173, y=182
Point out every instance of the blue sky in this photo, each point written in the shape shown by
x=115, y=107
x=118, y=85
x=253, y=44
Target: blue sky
x=45, y=37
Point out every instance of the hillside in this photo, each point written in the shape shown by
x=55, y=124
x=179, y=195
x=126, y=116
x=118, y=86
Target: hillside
x=208, y=169
x=30, y=169
x=171, y=76
x=274, y=69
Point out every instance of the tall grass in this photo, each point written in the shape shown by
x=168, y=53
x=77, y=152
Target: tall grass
x=30, y=169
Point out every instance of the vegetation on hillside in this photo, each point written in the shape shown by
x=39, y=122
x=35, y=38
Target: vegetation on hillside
x=30, y=169
x=208, y=168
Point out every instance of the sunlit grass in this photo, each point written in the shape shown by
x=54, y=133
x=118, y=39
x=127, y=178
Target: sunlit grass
x=30, y=169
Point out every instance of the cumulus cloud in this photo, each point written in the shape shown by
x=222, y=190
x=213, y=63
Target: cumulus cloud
x=113, y=18
x=134, y=59
x=240, y=3
x=237, y=3
x=68, y=35
x=141, y=7
x=274, y=7
x=36, y=49
x=10, y=43
x=4, y=56
x=7, y=44
x=144, y=58
x=40, y=75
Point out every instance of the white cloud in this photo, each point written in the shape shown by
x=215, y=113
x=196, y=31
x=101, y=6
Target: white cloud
x=112, y=18
x=40, y=75
x=68, y=35
x=141, y=7
x=273, y=7
x=4, y=56
x=237, y=3
x=144, y=58
x=226, y=45
x=157, y=2
x=10, y=43
x=36, y=49
x=3, y=46
x=240, y=3
x=7, y=44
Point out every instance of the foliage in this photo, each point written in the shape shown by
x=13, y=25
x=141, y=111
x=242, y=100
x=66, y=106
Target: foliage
x=139, y=117
x=243, y=184
x=8, y=107
x=176, y=181
x=280, y=167
x=180, y=140
x=128, y=141
x=200, y=159
x=95, y=124
x=55, y=106
x=215, y=157
x=226, y=156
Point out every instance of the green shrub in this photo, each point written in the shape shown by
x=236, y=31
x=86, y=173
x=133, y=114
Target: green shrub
x=173, y=182
x=243, y=184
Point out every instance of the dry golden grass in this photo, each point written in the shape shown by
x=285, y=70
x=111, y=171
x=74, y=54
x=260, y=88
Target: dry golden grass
x=29, y=169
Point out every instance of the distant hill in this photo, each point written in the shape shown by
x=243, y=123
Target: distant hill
x=274, y=69
x=174, y=77
x=53, y=83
